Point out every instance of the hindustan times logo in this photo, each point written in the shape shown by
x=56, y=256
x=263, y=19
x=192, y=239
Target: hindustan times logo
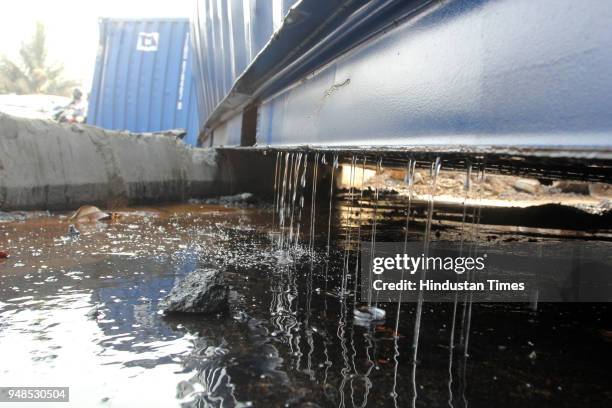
x=411, y=264
x=505, y=272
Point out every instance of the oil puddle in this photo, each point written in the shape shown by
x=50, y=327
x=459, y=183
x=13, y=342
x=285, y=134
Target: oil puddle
x=83, y=312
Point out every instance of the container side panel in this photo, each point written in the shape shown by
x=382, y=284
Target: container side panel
x=158, y=75
x=513, y=72
x=262, y=24
x=228, y=52
x=181, y=104
x=172, y=78
x=190, y=96
x=147, y=79
x=227, y=35
x=238, y=37
x=193, y=128
x=120, y=91
x=133, y=92
x=143, y=76
x=109, y=86
x=95, y=92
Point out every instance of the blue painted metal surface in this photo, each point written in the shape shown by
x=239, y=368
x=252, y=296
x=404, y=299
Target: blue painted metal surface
x=498, y=73
x=143, y=79
x=227, y=35
x=423, y=73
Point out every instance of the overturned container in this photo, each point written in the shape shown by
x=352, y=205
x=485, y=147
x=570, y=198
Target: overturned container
x=143, y=80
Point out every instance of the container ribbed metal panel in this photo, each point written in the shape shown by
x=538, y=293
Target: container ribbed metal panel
x=143, y=80
x=406, y=73
x=227, y=36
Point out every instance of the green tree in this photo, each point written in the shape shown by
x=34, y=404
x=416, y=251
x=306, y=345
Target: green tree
x=33, y=74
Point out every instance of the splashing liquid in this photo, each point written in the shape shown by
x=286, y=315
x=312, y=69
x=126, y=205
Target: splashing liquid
x=313, y=201
x=276, y=181
x=373, y=233
x=358, y=249
x=409, y=180
x=435, y=170
x=348, y=221
x=282, y=200
x=294, y=188
x=451, y=347
x=301, y=202
x=331, y=196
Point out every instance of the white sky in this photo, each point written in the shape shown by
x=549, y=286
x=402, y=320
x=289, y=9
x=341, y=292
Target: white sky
x=72, y=26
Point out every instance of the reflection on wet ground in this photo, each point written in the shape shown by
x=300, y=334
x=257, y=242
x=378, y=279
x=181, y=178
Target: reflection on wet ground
x=82, y=312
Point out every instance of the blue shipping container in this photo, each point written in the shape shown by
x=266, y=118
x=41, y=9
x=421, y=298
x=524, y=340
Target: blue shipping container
x=143, y=79
x=405, y=73
x=227, y=37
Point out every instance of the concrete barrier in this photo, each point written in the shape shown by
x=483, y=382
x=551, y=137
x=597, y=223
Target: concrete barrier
x=45, y=165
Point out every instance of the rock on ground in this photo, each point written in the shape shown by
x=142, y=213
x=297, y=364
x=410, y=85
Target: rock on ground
x=527, y=185
x=201, y=291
